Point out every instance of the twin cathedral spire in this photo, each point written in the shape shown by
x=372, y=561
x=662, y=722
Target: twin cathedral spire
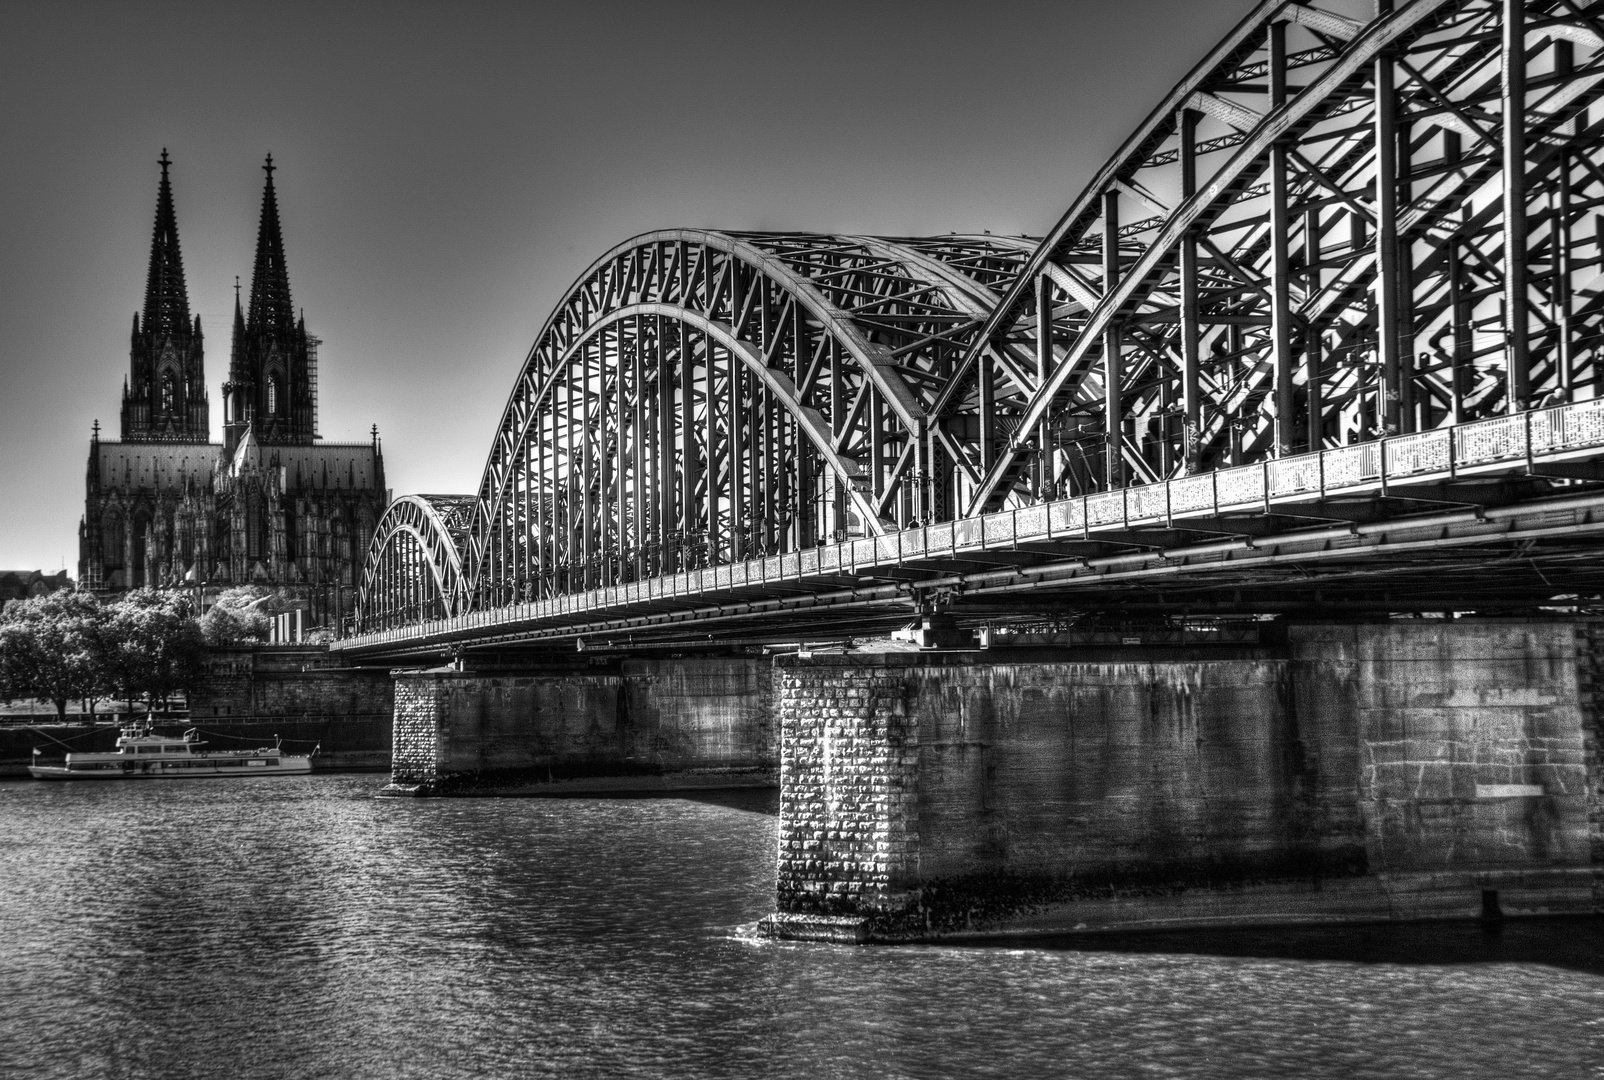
x=272, y=372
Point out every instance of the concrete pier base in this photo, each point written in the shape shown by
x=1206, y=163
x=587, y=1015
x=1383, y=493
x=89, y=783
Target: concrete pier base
x=1405, y=770
x=623, y=728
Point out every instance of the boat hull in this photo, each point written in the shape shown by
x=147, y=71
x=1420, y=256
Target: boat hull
x=177, y=770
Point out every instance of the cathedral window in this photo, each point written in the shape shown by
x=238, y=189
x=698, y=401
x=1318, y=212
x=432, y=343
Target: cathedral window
x=169, y=391
x=137, y=577
x=272, y=395
x=111, y=540
x=255, y=531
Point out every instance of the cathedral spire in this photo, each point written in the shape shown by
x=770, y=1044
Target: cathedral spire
x=272, y=380
x=166, y=298
x=270, y=308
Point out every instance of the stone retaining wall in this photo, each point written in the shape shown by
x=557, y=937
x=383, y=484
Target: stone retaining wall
x=289, y=680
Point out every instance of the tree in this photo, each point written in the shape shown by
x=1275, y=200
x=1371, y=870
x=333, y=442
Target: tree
x=53, y=647
x=238, y=616
x=157, y=647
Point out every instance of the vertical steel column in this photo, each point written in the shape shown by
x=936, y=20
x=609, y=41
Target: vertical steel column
x=1044, y=371
x=1312, y=341
x=588, y=423
x=1561, y=239
x=615, y=489
x=985, y=375
x=571, y=482
x=1191, y=400
x=735, y=455
x=1459, y=319
x=1594, y=359
x=392, y=591
x=1113, y=419
x=1386, y=204
x=766, y=458
x=1516, y=351
x=1280, y=258
x=640, y=497
x=838, y=418
x=1564, y=351
x=806, y=509
x=710, y=478
x=780, y=469
x=544, y=432
x=1414, y=403
x=667, y=478
x=877, y=449
x=531, y=444
x=504, y=557
x=925, y=469
x=606, y=423
x=691, y=452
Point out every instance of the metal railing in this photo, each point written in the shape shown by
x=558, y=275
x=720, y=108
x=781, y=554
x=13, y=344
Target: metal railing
x=1482, y=447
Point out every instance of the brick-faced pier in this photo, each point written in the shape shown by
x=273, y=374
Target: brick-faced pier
x=1412, y=769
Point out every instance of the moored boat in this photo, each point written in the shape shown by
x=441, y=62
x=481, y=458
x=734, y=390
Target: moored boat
x=143, y=755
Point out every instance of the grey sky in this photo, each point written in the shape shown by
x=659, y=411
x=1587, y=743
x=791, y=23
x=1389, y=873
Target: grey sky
x=446, y=171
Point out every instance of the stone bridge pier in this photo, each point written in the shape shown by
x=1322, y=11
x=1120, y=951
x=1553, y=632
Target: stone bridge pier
x=1387, y=770
x=1399, y=770
x=582, y=728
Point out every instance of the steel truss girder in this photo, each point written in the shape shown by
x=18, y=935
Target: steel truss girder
x=698, y=397
x=1272, y=297
x=1329, y=232
x=413, y=569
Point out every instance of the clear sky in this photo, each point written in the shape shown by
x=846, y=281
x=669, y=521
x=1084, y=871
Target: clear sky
x=446, y=170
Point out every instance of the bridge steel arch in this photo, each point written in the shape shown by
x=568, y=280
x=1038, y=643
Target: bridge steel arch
x=700, y=398
x=1330, y=232
x=413, y=571
x=1314, y=240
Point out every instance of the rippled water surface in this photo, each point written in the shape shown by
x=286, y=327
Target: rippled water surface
x=298, y=927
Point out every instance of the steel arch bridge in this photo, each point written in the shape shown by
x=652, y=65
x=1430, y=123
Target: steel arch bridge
x=700, y=398
x=1338, y=259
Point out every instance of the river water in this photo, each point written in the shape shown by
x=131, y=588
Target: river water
x=299, y=927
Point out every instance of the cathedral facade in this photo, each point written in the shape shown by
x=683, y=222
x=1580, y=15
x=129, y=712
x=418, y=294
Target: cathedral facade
x=272, y=504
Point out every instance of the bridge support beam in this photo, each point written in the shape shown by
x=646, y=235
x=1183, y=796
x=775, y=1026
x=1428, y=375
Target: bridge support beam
x=1415, y=769
x=562, y=729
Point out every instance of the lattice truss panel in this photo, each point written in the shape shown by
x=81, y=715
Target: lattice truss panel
x=1317, y=239
x=1333, y=230
x=702, y=398
x=413, y=571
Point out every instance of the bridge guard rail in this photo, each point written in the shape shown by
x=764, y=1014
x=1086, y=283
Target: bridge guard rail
x=1565, y=432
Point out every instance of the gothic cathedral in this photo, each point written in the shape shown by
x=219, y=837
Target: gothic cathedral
x=271, y=504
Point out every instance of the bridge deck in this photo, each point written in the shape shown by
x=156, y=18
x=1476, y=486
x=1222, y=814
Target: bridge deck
x=1411, y=498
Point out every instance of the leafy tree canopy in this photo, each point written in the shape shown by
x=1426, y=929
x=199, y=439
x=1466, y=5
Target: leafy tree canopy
x=54, y=647
x=69, y=645
x=156, y=646
x=241, y=614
